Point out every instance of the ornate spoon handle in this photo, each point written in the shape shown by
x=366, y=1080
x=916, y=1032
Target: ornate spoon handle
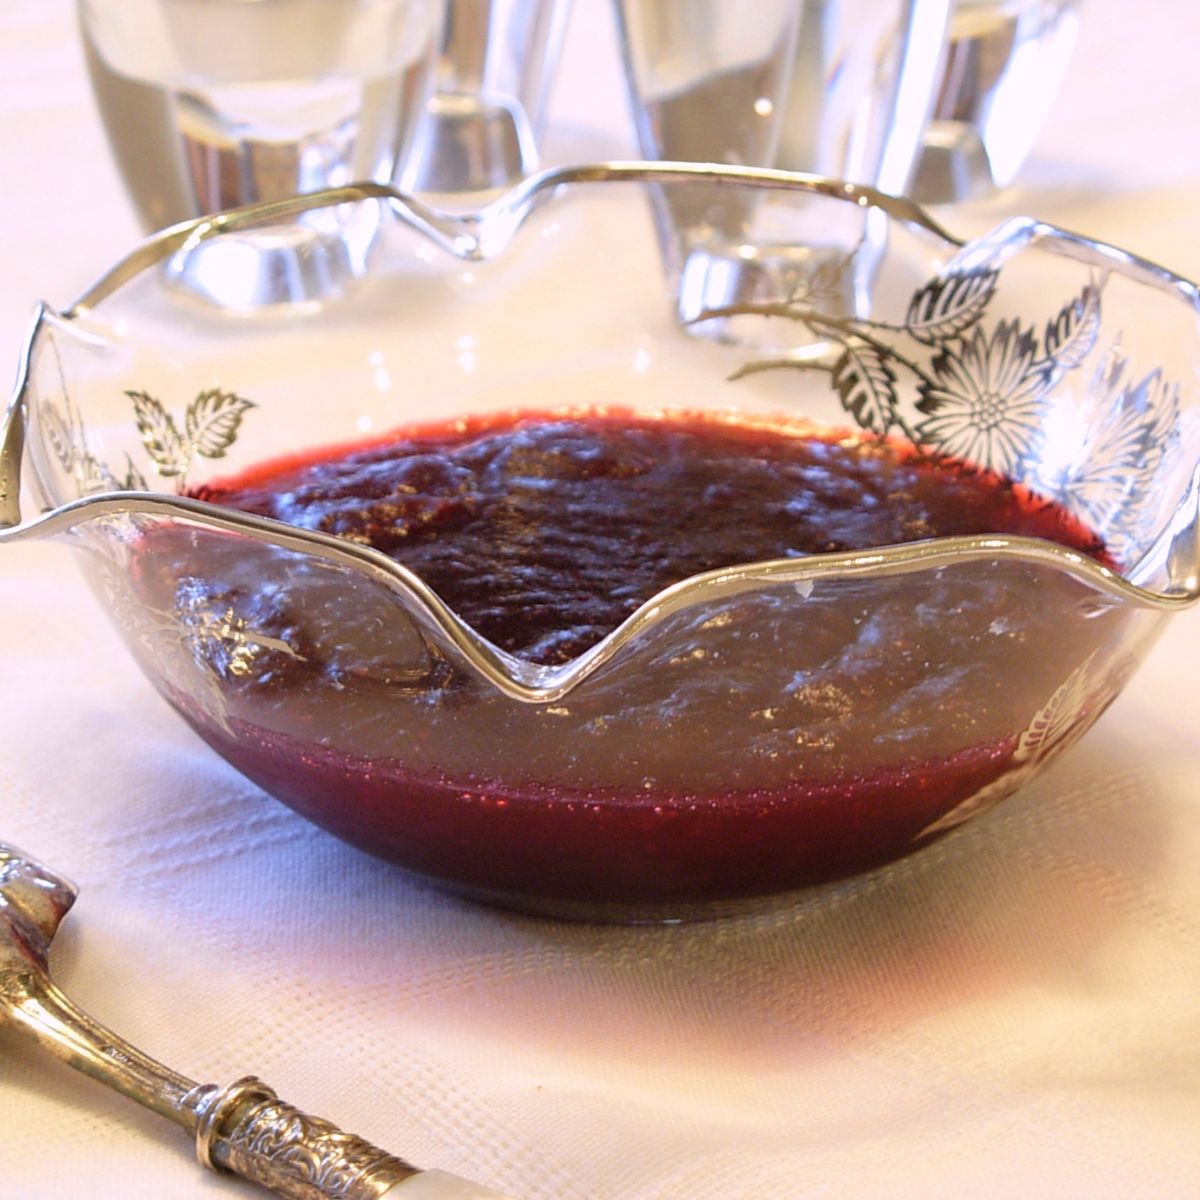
x=247, y=1130
x=243, y=1129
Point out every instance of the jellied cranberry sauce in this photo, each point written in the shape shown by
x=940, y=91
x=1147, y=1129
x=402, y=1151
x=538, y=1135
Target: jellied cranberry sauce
x=747, y=744
x=546, y=534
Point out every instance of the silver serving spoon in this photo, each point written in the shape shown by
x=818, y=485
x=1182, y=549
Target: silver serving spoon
x=243, y=1129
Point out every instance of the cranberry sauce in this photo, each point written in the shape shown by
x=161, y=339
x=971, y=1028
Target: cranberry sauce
x=546, y=534
x=747, y=744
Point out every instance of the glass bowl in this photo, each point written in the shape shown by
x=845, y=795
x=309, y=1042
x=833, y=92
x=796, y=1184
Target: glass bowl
x=753, y=729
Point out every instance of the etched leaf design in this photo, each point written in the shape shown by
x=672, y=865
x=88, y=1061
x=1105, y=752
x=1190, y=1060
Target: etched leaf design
x=95, y=476
x=1111, y=452
x=978, y=803
x=947, y=305
x=1145, y=438
x=159, y=435
x=1054, y=728
x=1072, y=334
x=1125, y=446
x=212, y=420
x=1058, y=719
x=134, y=480
x=866, y=385
x=58, y=435
x=1155, y=400
x=65, y=436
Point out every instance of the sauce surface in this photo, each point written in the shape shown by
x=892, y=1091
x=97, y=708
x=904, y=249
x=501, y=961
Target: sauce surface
x=544, y=534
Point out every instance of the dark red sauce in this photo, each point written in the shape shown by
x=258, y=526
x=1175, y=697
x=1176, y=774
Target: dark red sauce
x=748, y=745
x=546, y=534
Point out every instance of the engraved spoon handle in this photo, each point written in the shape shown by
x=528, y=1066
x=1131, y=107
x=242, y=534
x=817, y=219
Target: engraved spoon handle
x=247, y=1130
x=243, y=1129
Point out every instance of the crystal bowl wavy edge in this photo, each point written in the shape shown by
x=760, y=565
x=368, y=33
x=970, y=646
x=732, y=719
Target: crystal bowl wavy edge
x=662, y=772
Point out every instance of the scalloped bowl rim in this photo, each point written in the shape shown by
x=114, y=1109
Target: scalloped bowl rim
x=472, y=236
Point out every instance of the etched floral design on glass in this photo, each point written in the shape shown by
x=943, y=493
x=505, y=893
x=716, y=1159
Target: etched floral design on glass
x=1056, y=726
x=209, y=427
x=987, y=396
x=984, y=402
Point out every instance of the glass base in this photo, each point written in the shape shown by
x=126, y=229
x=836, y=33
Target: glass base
x=716, y=281
x=471, y=144
x=608, y=912
x=306, y=263
x=953, y=167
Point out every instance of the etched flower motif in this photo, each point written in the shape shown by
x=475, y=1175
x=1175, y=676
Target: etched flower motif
x=1101, y=458
x=985, y=399
x=990, y=397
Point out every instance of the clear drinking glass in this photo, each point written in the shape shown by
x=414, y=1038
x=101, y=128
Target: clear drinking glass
x=1004, y=64
x=841, y=88
x=486, y=118
x=212, y=104
x=833, y=87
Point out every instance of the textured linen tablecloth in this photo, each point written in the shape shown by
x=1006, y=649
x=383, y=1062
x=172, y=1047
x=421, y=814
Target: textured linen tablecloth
x=1014, y=1012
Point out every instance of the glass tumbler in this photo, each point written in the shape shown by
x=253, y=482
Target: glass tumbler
x=1003, y=67
x=840, y=88
x=486, y=117
x=212, y=104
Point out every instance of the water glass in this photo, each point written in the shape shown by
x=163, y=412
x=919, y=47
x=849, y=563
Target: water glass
x=486, y=118
x=1004, y=64
x=211, y=104
x=841, y=88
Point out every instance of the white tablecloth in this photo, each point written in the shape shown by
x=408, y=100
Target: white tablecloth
x=1014, y=1012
